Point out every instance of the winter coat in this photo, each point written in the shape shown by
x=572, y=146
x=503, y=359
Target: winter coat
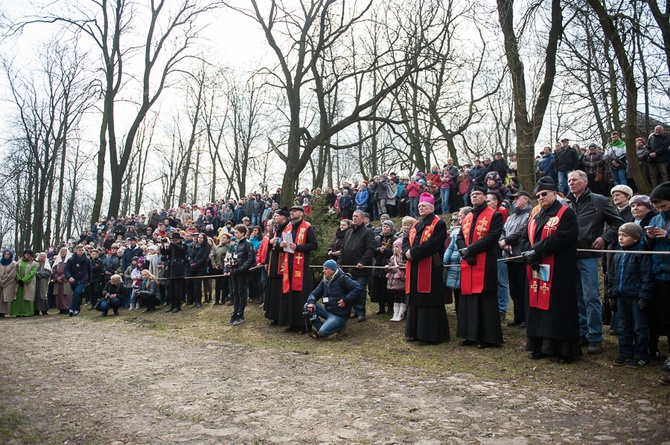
x=593, y=211
x=79, y=268
x=340, y=287
x=359, y=247
x=453, y=258
x=514, y=228
x=362, y=198
x=396, y=274
x=8, y=282
x=630, y=275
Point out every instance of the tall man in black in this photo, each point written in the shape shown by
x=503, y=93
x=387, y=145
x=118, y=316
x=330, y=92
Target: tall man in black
x=296, y=276
x=273, y=265
x=174, y=257
x=358, y=250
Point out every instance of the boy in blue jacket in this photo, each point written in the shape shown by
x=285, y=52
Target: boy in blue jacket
x=630, y=292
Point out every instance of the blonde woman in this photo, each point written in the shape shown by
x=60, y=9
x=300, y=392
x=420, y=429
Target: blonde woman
x=112, y=295
x=148, y=294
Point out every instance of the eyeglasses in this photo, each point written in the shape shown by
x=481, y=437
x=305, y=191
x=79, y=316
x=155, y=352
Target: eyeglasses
x=541, y=195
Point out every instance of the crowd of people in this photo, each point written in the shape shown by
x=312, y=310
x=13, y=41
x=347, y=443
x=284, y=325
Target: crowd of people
x=495, y=247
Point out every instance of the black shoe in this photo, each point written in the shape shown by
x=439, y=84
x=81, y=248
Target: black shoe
x=361, y=318
x=175, y=310
x=537, y=355
x=232, y=321
x=468, y=343
x=274, y=323
x=564, y=360
x=380, y=311
x=352, y=316
x=301, y=331
x=513, y=323
x=410, y=339
x=116, y=312
x=522, y=324
x=170, y=310
x=197, y=305
x=151, y=309
x=483, y=345
x=104, y=314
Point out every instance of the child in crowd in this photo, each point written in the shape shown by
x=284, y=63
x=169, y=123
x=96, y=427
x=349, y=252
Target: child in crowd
x=136, y=282
x=630, y=292
x=128, y=282
x=395, y=273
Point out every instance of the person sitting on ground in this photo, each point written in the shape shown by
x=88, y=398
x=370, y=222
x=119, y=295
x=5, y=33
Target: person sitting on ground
x=339, y=292
x=112, y=295
x=147, y=293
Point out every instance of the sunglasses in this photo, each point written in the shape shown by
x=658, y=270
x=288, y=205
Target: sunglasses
x=541, y=195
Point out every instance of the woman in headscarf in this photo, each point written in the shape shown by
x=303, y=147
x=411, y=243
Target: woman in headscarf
x=26, y=269
x=7, y=282
x=42, y=286
x=62, y=290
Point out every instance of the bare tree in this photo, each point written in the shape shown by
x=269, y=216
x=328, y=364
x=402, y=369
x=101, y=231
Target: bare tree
x=529, y=123
x=301, y=36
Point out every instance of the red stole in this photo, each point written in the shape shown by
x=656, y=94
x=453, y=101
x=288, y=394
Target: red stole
x=472, y=277
x=295, y=282
x=539, y=291
x=425, y=269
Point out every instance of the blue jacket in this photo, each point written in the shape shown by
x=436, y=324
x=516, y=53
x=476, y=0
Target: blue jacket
x=629, y=275
x=547, y=165
x=660, y=263
x=453, y=258
x=340, y=287
x=362, y=198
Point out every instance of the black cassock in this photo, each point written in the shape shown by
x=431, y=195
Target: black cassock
x=426, y=315
x=478, y=315
x=556, y=331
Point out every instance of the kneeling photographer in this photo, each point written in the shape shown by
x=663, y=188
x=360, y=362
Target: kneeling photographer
x=338, y=292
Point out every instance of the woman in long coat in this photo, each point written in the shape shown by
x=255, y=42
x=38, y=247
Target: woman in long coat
x=26, y=269
x=7, y=282
x=42, y=285
x=62, y=289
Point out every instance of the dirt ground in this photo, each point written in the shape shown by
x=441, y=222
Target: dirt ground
x=70, y=381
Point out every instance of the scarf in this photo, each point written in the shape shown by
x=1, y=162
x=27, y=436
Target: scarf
x=6, y=261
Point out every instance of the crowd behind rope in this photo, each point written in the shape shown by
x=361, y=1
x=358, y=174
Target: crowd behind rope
x=223, y=252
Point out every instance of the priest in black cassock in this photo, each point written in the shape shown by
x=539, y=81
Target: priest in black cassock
x=424, y=284
x=550, y=250
x=478, y=315
x=273, y=264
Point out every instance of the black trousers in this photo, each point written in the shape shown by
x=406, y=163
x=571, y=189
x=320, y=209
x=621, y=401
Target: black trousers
x=239, y=294
x=176, y=291
x=517, y=289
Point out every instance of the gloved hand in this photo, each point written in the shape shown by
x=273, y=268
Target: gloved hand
x=464, y=252
x=532, y=259
x=643, y=304
x=471, y=260
x=21, y=283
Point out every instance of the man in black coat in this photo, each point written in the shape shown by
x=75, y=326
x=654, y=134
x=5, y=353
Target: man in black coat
x=358, y=249
x=174, y=258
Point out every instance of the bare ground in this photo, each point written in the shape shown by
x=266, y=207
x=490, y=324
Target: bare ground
x=73, y=381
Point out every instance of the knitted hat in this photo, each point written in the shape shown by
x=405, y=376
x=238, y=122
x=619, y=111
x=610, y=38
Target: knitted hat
x=641, y=199
x=623, y=189
x=330, y=264
x=427, y=197
x=545, y=183
x=389, y=223
x=631, y=229
x=398, y=243
x=662, y=191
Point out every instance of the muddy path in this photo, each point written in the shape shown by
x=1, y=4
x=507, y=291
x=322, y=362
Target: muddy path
x=68, y=380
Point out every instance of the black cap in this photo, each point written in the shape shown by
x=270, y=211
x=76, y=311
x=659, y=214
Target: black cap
x=479, y=188
x=132, y=238
x=297, y=208
x=545, y=183
x=283, y=212
x=176, y=235
x=662, y=191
